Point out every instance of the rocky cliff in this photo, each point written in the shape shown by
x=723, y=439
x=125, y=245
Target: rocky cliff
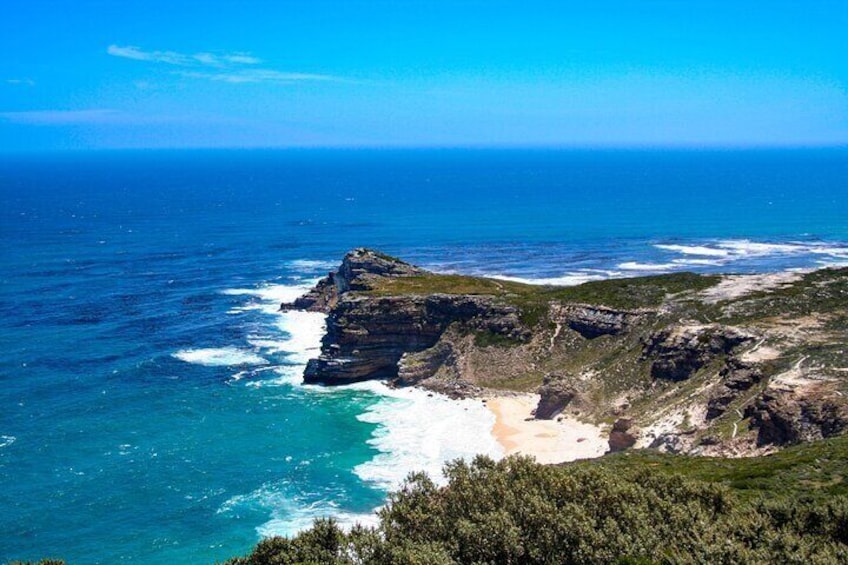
x=678, y=362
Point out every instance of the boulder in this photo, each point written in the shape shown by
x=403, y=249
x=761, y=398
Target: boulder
x=554, y=395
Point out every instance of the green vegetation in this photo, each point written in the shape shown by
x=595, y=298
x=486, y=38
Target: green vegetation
x=815, y=470
x=487, y=338
x=823, y=291
x=533, y=300
x=638, y=507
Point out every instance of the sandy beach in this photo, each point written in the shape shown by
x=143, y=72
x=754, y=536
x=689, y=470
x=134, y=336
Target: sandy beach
x=549, y=441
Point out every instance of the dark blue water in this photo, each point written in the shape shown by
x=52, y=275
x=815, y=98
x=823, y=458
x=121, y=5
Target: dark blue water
x=149, y=401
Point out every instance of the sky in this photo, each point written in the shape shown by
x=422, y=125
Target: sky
x=104, y=74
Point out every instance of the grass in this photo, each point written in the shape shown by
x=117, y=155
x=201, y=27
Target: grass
x=821, y=291
x=532, y=300
x=815, y=470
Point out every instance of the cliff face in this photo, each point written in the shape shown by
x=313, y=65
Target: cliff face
x=367, y=336
x=681, y=363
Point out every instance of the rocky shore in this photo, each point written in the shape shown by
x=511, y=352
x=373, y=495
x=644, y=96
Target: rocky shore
x=681, y=362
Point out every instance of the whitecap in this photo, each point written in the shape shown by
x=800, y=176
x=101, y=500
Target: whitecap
x=694, y=250
x=568, y=279
x=312, y=265
x=636, y=266
x=699, y=262
x=290, y=523
x=421, y=431
x=269, y=296
x=220, y=357
x=6, y=441
x=748, y=248
x=291, y=513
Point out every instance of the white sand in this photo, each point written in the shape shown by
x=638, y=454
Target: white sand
x=549, y=441
x=736, y=286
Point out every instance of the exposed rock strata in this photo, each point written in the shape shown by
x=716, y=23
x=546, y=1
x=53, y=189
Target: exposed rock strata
x=784, y=416
x=679, y=351
x=677, y=372
x=737, y=377
x=367, y=336
x=593, y=321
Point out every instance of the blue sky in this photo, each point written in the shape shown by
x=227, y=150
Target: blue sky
x=81, y=74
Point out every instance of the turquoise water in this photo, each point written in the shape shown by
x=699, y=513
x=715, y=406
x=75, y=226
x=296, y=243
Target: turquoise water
x=150, y=407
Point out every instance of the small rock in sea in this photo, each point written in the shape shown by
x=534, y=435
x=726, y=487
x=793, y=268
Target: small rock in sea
x=430, y=394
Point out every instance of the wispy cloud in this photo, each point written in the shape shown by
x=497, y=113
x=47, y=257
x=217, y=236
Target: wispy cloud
x=233, y=68
x=182, y=59
x=21, y=81
x=257, y=75
x=61, y=117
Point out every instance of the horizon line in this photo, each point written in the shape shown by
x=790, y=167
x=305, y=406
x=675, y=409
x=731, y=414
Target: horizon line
x=448, y=147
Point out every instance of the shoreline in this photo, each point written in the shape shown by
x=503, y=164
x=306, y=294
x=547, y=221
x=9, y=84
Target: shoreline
x=548, y=441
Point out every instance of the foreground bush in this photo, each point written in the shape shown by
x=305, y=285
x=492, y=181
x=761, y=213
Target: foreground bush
x=518, y=512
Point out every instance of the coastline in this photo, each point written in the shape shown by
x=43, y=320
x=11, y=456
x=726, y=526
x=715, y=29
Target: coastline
x=548, y=441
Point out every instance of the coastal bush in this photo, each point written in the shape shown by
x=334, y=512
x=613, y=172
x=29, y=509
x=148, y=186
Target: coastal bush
x=516, y=511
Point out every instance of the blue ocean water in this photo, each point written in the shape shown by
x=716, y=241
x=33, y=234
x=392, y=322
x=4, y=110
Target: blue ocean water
x=150, y=404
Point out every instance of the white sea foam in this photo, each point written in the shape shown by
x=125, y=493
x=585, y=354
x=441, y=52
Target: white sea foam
x=699, y=262
x=289, y=523
x=726, y=252
x=569, y=279
x=294, y=334
x=270, y=296
x=636, y=266
x=748, y=248
x=289, y=513
x=304, y=330
x=311, y=265
x=421, y=431
x=6, y=441
x=220, y=357
x=694, y=250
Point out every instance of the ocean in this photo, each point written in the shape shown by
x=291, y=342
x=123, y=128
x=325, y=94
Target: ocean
x=151, y=409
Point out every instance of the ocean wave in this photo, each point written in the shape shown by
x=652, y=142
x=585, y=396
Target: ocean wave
x=291, y=512
x=649, y=267
x=421, y=431
x=732, y=250
x=6, y=441
x=220, y=357
x=568, y=279
x=312, y=265
x=270, y=296
x=694, y=250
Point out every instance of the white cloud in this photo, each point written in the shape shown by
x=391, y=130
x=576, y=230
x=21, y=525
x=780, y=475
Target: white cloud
x=21, y=81
x=242, y=59
x=182, y=59
x=232, y=68
x=61, y=117
x=257, y=75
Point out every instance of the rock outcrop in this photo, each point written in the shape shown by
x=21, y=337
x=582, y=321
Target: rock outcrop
x=592, y=321
x=654, y=354
x=554, y=396
x=737, y=377
x=785, y=416
x=358, y=271
x=623, y=435
x=679, y=351
x=368, y=335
